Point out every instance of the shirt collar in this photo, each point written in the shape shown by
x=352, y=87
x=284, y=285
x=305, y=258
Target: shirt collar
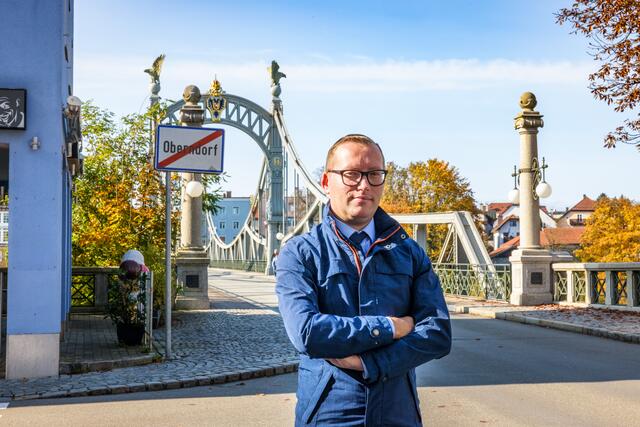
x=347, y=230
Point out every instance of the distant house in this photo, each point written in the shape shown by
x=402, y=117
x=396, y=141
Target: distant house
x=231, y=216
x=555, y=239
x=503, y=222
x=578, y=214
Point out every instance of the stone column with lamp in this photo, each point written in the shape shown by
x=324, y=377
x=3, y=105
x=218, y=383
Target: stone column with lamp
x=532, y=281
x=276, y=209
x=192, y=260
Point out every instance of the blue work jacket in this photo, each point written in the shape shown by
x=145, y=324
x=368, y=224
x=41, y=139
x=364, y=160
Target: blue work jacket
x=335, y=304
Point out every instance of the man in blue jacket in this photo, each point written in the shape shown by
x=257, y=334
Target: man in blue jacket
x=360, y=302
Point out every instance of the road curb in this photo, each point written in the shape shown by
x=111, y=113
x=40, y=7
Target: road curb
x=514, y=316
x=169, y=384
x=70, y=368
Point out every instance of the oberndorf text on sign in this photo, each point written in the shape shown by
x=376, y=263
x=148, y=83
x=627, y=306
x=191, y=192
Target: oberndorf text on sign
x=189, y=149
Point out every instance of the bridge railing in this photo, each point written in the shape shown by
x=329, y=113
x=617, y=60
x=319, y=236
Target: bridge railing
x=488, y=281
x=240, y=264
x=600, y=284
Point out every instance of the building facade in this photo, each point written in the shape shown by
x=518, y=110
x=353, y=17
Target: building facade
x=578, y=214
x=231, y=216
x=36, y=56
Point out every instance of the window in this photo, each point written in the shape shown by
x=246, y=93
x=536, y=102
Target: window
x=222, y=225
x=236, y=225
x=236, y=210
x=513, y=223
x=221, y=211
x=580, y=217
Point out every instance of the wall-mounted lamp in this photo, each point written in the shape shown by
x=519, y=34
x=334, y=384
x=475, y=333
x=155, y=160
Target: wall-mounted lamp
x=34, y=143
x=541, y=189
x=279, y=236
x=74, y=105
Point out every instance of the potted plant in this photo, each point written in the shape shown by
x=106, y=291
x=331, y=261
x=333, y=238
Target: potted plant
x=126, y=303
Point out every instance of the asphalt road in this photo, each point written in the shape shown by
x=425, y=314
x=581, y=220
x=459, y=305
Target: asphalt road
x=498, y=373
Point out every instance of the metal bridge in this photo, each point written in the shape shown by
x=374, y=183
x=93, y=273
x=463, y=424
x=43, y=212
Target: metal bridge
x=288, y=200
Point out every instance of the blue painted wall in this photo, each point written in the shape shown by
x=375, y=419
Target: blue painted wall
x=227, y=215
x=34, y=35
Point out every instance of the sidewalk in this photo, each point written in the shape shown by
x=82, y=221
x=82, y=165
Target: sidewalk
x=242, y=337
x=236, y=339
x=91, y=344
x=606, y=323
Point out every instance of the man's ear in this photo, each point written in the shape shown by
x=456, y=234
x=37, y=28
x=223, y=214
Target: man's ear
x=324, y=182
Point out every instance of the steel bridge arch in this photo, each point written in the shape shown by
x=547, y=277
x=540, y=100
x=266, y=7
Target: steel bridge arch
x=256, y=122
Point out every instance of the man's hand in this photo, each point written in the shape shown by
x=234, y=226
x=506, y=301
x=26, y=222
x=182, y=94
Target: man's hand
x=402, y=326
x=350, y=362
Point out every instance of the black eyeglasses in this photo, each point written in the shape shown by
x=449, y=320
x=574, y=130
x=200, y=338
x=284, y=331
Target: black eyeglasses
x=353, y=177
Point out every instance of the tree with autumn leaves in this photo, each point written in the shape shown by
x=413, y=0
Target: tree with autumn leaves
x=613, y=29
x=612, y=233
x=422, y=187
x=119, y=199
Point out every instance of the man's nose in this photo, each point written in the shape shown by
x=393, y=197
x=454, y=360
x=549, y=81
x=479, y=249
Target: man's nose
x=364, y=183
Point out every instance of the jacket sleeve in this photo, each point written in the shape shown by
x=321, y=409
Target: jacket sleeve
x=316, y=334
x=431, y=338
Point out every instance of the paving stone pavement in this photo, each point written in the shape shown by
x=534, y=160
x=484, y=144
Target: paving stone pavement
x=210, y=347
x=242, y=337
x=91, y=344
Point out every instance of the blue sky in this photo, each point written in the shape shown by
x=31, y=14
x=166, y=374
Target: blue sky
x=424, y=78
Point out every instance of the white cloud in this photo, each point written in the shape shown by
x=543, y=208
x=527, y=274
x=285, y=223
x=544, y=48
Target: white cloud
x=324, y=76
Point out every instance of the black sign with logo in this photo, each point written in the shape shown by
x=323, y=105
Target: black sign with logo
x=13, y=109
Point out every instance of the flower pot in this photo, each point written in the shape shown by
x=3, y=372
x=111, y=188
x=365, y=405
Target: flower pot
x=129, y=334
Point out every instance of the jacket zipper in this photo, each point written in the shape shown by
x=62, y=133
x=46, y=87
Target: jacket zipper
x=357, y=257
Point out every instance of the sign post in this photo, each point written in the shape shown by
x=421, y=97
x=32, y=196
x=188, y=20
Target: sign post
x=183, y=149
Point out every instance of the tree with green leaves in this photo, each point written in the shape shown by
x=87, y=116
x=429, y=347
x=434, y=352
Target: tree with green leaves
x=119, y=200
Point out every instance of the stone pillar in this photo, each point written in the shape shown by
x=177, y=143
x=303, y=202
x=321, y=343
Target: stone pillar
x=275, y=208
x=532, y=279
x=192, y=260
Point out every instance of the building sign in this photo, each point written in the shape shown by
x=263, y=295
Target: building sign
x=189, y=149
x=13, y=109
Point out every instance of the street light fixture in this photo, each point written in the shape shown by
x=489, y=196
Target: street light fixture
x=194, y=189
x=541, y=189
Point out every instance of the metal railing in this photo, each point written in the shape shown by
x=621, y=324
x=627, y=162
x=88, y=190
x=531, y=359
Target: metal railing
x=240, y=264
x=491, y=282
x=89, y=287
x=90, y=292
x=609, y=284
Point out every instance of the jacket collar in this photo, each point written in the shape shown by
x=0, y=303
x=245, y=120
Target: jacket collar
x=384, y=224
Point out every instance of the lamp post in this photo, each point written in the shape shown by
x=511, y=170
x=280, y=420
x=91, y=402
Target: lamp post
x=191, y=258
x=530, y=264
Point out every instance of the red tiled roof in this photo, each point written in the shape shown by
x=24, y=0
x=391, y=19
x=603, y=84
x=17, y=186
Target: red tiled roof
x=499, y=207
x=561, y=236
x=548, y=237
x=508, y=245
x=586, y=204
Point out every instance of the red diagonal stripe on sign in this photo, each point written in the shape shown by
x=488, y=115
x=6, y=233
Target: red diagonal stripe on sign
x=181, y=154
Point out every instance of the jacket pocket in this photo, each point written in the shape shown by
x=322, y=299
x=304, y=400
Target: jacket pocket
x=392, y=286
x=314, y=400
